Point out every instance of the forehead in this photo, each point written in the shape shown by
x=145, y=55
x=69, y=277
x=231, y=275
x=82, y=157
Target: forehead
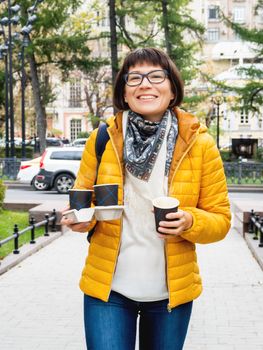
x=144, y=67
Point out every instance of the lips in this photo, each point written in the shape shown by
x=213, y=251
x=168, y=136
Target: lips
x=147, y=97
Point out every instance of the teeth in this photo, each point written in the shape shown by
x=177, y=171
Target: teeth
x=146, y=97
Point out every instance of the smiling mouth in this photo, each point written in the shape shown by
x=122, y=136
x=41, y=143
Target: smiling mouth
x=147, y=97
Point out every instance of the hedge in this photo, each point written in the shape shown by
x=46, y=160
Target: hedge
x=18, y=152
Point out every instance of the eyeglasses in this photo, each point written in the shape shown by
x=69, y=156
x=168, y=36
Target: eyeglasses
x=154, y=77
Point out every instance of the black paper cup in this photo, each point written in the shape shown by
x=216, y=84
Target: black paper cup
x=162, y=206
x=79, y=199
x=106, y=194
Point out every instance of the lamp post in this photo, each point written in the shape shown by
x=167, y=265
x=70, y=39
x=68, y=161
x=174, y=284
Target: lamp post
x=6, y=52
x=3, y=55
x=217, y=100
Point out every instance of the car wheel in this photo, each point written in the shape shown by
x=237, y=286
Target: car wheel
x=39, y=186
x=63, y=183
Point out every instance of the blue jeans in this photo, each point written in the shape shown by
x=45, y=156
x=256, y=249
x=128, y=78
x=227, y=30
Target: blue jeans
x=112, y=325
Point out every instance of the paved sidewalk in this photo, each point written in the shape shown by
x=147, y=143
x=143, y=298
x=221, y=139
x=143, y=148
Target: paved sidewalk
x=41, y=305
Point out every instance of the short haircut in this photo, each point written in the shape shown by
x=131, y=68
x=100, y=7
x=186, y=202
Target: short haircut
x=155, y=57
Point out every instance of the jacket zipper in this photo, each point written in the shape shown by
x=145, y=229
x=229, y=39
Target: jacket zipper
x=115, y=263
x=169, y=307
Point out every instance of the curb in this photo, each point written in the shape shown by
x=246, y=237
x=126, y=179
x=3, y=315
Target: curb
x=26, y=250
x=256, y=251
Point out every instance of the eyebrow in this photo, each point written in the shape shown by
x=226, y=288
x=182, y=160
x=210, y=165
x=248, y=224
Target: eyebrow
x=154, y=70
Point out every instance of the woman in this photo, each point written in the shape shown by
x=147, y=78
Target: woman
x=155, y=149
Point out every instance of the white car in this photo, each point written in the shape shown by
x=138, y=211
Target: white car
x=79, y=142
x=27, y=174
x=59, y=167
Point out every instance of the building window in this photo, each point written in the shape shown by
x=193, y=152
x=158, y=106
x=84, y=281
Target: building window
x=213, y=34
x=213, y=13
x=75, y=128
x=239, y=14
x=244, y=117
x=75, y=93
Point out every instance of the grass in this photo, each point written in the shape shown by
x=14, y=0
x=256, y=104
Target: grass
x=244, y=181
x=7, y=220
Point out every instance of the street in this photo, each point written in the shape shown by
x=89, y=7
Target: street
x=27, y=194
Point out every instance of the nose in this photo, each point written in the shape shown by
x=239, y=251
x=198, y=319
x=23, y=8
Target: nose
x=145, y=82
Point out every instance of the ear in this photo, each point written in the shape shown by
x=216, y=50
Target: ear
x=125, y=99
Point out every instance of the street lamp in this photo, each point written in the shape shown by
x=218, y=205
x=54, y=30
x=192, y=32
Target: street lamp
x=6, y=52
x=217, y=100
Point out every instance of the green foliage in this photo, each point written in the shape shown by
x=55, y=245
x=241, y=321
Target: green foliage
x=227, y=156
x=7, y=220
x=250, y=95
x=18, y=152
x=83, y=134
x=259, y=154
x=2, y=194
x=150, y=21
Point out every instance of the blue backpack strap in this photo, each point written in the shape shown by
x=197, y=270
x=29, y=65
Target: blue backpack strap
x=100, y=144
x=101, y=140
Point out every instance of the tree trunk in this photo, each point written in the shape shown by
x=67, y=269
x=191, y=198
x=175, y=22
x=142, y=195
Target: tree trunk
x=94, y=121
x=166, y=28
x=39, y=108
x=113, y=41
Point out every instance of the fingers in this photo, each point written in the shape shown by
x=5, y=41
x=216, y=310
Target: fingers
x=78, y=227
x=179, y=222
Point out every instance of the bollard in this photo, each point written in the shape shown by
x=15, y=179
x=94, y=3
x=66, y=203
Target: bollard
x=46, y=225
x=251, y=223
x=16, y=243
x=32, y=223
x=261, y=233
x=53, y=227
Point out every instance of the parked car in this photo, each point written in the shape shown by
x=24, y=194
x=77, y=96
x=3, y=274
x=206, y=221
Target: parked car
x=79, y=142
x=27, y=174
x=59, y=167
x=50, y=142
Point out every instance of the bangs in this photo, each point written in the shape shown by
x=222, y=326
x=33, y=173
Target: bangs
x=145, y=55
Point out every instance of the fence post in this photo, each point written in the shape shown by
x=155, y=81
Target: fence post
x=239, y=170
x=261, y=233
x=16, y=243
x=53, y=228
x=32, y=223
x=46, y=225
x=257, y=217
x=251, y=223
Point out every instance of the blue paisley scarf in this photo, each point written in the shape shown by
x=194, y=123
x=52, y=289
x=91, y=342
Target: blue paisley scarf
x=143, y=142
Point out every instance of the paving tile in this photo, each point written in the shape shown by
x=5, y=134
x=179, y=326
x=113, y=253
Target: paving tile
x=42, y=304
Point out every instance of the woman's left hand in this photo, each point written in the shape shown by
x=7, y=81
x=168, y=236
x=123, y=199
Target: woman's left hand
x=180, y=222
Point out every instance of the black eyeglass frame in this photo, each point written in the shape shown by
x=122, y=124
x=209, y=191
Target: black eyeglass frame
x=145, y=75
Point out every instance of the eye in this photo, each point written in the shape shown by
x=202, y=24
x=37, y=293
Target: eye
x=157, y=75
x=134, y=77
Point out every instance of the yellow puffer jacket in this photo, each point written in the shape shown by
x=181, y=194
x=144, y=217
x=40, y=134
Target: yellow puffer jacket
x=196, y=178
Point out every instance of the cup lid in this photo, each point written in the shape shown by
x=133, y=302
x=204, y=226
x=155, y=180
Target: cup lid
x=165, y=202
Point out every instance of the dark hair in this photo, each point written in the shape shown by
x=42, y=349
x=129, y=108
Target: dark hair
x=155, y=57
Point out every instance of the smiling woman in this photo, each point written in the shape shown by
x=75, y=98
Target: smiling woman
x=135, y=269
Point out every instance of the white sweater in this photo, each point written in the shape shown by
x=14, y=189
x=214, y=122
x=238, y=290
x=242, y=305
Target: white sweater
x=140, y=272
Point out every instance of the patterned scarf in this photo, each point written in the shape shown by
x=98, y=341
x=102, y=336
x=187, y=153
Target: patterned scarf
x=143, y=142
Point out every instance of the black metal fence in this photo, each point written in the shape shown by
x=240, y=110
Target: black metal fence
x=9, y=168
x=236, y=172
x=256, y=227
x=244, y=173
x=33, y=225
